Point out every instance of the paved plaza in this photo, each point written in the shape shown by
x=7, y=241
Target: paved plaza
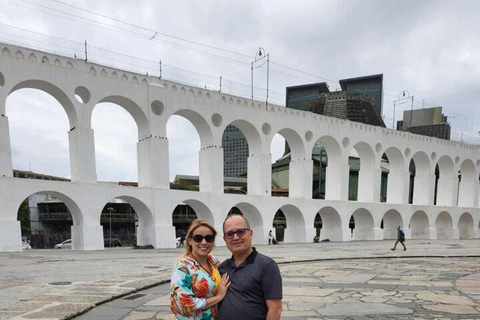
x=347, y=280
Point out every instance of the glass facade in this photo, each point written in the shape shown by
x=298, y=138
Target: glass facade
x=235, y=152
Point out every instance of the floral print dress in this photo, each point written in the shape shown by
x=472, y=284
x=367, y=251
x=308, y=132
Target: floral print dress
x=191, y=286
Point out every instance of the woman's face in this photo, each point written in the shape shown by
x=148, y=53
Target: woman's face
x=202, y=248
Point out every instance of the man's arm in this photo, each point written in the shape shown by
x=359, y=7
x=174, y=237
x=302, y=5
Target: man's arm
x=274, y=309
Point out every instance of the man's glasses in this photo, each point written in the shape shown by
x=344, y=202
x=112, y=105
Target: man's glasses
x=239, y=232
x=199, y=238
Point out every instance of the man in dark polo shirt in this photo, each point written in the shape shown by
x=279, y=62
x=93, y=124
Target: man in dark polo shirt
x=255, y=292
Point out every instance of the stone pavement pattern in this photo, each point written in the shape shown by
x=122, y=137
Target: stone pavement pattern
x=413, y=288
x=59, y=284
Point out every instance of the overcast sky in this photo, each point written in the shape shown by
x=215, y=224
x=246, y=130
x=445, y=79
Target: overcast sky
x=430, y=48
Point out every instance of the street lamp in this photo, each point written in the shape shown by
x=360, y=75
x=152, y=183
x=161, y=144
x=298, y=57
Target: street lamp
x=404, y=95
x=110, y=209
x=260, y=55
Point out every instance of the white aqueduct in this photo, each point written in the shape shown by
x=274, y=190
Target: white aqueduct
x=152, y=101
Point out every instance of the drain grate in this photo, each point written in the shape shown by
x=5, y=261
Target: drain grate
x=135, y=296
x=65, y=283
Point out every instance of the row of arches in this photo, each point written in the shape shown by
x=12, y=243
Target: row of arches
x=289, y=221
x=455, y=183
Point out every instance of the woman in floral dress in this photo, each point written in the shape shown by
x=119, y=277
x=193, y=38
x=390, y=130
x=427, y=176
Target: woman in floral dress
x=197, y=286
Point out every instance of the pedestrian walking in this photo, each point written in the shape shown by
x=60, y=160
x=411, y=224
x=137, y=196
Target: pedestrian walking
x=400, y=238
x=270, y=237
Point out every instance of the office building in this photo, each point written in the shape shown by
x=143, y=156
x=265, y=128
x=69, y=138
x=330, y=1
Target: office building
x=428, y=122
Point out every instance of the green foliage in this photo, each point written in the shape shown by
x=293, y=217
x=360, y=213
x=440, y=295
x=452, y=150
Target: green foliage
x=180, y=186
x=24, y=217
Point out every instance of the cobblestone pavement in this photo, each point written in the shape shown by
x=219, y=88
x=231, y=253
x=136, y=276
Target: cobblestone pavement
x=433, y=279
x=414, y=288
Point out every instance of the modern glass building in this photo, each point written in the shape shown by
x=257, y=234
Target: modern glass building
x=235, y=152
x=368, y=85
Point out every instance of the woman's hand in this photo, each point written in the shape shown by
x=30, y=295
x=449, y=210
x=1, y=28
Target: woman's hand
x=223, y=286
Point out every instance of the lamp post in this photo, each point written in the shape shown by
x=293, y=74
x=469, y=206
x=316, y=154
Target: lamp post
x=260, y=55
x=110, y=209
x=404, y=95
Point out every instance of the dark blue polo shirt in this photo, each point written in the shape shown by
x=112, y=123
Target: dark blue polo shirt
x=255, y=280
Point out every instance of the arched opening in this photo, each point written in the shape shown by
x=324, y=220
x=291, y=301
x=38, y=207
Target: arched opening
x=127, y=221
x=240, y=140
x=182, y=217
x=115, y=143
x=420, y=179
x=444, y=226
x=326, y=148
x=254, y=218
x=331, y=227
x=419, y=225
x=190, y=141
x=363, y=229
x=281, y=158
x=393, y=185
x=118, y=220
x=362, y=173
x=391, y=220
x=280, y=224
x=465, y=226
x=467, y=184
x=295, y=224
x=38, y=134
x=46, y=220
x=287, y=170
x=447, y=181
x=235, y=154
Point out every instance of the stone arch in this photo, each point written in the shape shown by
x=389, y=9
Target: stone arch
x=145, y=231
x=391, y=220
x=55, y=92
x=255, y=219
x=241, y=141
x=396, y=182
x=72, y=206
x=202, y=211
x=135, y=111
x=447, y=182
x=364, y=228
x=203, y=128
x=295, y=143
x=468, y=185
x=251, y=134
x=422, y=182
x=297, y=184
x=366, y=174
x=444, y=226
x=331, y=224
x=329, y=165
x=295, y=231
x=419, y=225
x=466, y=226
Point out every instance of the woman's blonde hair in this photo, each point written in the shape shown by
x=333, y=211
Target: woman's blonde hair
x=195, y=224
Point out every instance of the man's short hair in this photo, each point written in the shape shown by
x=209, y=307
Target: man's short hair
x=236, y=215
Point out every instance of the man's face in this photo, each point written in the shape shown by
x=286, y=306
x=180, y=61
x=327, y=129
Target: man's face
x=237, y=244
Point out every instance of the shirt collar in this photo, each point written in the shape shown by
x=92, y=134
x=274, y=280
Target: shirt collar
x=250, y=259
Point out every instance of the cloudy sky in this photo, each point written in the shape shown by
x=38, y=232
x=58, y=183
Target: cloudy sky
x=429, y=48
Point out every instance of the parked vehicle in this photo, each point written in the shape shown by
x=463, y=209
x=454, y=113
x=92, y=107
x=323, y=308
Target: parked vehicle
x=67, y=244
x=112, y=242
x=26, y=245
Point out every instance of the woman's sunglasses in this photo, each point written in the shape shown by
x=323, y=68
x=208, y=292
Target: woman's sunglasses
x=199, y=238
